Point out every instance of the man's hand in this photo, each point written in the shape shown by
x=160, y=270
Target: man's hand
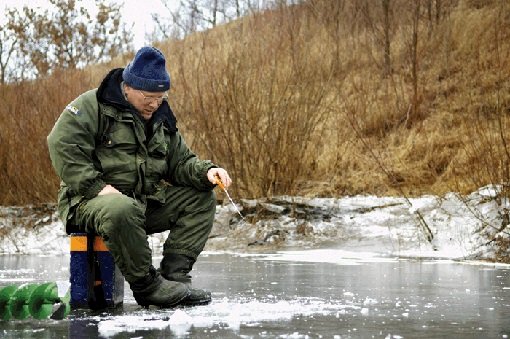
x=222, y=174
x=109, y=189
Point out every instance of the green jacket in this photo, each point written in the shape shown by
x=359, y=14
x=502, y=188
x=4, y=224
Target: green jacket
x=100, y=139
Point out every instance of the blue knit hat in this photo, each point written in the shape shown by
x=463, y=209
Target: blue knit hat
x=147, y=71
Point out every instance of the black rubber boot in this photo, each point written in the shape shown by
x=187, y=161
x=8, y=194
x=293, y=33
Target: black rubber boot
x=176, y=267
x=154, y=290
x=197, y=297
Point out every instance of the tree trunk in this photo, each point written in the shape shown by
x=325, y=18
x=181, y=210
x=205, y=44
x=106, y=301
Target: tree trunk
x=387, y=50
x=414, y=56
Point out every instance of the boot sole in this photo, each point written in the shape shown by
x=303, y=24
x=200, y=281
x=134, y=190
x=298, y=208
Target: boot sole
x=196, y=302
x=169, y=305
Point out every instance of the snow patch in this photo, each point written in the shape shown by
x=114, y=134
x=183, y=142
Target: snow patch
x=222, y=313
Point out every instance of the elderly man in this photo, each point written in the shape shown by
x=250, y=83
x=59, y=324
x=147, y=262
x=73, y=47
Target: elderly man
x=126, y=172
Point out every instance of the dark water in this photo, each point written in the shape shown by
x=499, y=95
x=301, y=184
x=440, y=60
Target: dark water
x=258, y=297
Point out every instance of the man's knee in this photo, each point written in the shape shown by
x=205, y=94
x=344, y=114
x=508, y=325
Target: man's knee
x=203, y=200
x=206, y=209
x=207, y=199
x=121, y=212
x=204, y=205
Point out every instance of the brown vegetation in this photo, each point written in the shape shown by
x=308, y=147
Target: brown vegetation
x=325, y=98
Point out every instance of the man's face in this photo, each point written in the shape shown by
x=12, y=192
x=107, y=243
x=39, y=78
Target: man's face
x=146, y=103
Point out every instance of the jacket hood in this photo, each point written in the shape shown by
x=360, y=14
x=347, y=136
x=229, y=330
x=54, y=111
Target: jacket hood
x=110, y=93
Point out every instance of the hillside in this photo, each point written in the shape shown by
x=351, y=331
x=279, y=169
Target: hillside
x=327, y=98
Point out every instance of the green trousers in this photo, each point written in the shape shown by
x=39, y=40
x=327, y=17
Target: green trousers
x=124, y=223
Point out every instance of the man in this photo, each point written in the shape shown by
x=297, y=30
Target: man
x=126, y=172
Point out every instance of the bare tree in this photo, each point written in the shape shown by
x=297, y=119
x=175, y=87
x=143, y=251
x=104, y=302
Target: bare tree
x=386, y=38
x=7, y=50
x=331, y=15
x=380, y=25
x=244, y=93
x=189, y=16
x=438, y=11
x=413, y=55
x=434, y=8
x=109, y=36
x=67, y=37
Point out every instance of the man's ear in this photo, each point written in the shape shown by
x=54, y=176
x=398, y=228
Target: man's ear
x=127, y=89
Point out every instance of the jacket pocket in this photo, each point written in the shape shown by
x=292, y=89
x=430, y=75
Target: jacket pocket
x=158, y=193
x=117, y=152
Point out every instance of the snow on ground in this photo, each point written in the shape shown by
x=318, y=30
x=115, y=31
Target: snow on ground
x=231, y=314
x=462, y=226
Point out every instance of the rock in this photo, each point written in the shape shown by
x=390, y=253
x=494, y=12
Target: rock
x=304, y=229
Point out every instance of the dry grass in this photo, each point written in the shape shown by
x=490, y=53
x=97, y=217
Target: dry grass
x=294, y=101
x=29, y=110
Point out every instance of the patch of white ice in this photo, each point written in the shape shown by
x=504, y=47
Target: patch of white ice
x=225, y=312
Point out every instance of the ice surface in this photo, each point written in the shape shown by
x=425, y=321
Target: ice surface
x=358, y=229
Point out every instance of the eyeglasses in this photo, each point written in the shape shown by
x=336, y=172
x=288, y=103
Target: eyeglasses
x=150, y=100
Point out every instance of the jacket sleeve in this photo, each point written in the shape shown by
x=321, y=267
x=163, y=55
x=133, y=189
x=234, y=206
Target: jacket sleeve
x=71, y=145
x=185, y=168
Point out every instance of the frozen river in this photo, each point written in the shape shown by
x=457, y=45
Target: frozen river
x=302, y=294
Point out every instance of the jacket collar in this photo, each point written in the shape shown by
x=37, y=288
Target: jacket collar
x=110, y=93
